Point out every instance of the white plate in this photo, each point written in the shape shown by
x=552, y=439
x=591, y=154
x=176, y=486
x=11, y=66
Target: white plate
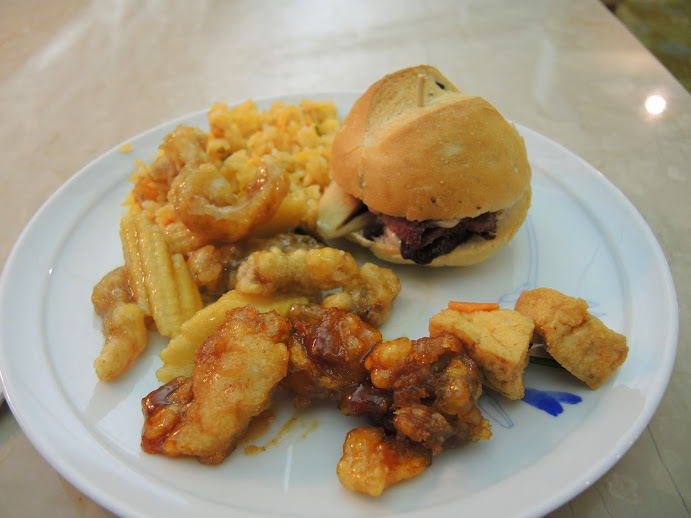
x=582, y=237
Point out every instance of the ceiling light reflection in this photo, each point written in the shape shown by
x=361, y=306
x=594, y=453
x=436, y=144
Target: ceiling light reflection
x=655, y=104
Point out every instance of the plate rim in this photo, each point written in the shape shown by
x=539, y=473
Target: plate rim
x=52, y=455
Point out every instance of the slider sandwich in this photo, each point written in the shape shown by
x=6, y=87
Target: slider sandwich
x=424, y=174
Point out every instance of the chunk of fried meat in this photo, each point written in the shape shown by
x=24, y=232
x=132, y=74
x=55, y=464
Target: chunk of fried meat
x=435, y=387
x=235, y=373
x=327, y=348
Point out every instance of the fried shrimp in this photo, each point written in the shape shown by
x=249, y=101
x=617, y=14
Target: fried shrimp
x=368, y=292
x=124, y=325
x=218, y=206
x=235, y=372
x=111, y=290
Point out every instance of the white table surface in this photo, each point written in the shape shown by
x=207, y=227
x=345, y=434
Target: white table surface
x=78, y=77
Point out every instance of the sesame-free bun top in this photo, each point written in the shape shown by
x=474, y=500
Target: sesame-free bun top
x=453, y=157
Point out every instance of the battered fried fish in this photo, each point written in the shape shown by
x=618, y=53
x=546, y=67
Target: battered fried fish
x=236, y=370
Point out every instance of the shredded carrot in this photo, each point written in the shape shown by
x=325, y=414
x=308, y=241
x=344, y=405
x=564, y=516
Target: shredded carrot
x=468, y=307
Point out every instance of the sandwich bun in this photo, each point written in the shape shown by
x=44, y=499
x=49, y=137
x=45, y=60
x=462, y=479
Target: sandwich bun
x=414, y=147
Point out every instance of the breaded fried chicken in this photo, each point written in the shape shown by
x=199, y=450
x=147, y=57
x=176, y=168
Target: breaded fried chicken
x=326, y=348
x=236, y=370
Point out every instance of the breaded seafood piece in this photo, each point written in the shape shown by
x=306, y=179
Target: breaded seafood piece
x=236, y=370
x=579, y=341
x=327, y=275
x=373, y=461
x=498, y=341
x=124, y=324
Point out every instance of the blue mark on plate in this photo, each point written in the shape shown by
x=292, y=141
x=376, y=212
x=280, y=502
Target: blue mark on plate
x=550, y=401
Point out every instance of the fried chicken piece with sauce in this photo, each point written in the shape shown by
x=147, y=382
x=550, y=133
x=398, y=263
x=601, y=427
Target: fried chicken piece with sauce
x=435, y=389
x=579, y=341
x=373, y=461
x=235, y=373
x=326, y=349
x=366, y=400
x=368, y=292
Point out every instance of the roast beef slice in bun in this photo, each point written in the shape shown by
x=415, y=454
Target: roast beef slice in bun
x=424, y=174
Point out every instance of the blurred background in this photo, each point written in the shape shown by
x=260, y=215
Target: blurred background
x=664, y=27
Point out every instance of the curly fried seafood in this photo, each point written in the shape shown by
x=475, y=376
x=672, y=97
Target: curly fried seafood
x=216, y=206
x=236, y=371
x=367, y=291
x=124, y=325
x=214, y=267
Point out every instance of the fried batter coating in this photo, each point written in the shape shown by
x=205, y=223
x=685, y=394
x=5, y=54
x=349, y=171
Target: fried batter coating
x=185, y=147
x=126, y=337
x=579, y=341
x=214, y=267
x=435, y=388
x=163, y=411
x=373, y=461
x=180, y=239
x=213, y=203
x=368, y=291
x=111, y=290
x=179, y=148
x=236, y=370
x=326, y=349
x=498, y=342
x=124, y=325
x=179, y=355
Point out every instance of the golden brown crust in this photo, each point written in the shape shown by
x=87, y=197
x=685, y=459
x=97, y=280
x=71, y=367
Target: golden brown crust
x=455, y=156
x=473, y=251
x=388, y=97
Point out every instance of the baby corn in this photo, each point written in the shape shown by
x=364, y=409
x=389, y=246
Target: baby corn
x=161, y=282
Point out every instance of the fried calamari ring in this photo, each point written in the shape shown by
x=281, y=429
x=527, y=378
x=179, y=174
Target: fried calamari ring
x=368, y=292
x=217, y=207
x=326, y=349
